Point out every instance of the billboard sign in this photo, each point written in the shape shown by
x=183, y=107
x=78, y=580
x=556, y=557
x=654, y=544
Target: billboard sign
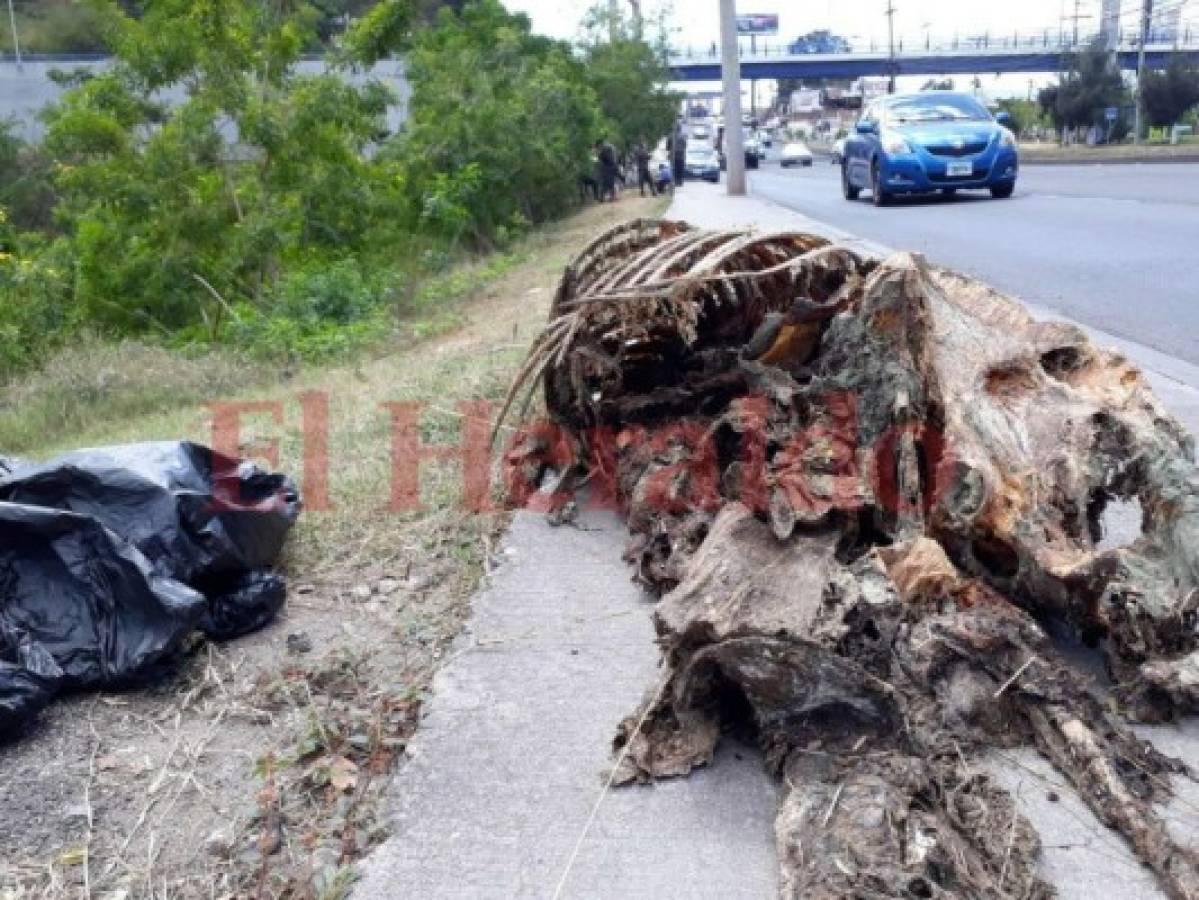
x=758, y=24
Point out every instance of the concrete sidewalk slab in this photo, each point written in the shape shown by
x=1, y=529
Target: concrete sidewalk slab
x=506, y=768
x=507, y=765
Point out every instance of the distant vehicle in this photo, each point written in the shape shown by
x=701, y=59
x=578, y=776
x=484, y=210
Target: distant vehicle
x=838, y=153
x=766, y=138
x=926, y=142
x=753, y=146
x=701, y=133
x=795, y=153
x=702, y=162
x=753, y=150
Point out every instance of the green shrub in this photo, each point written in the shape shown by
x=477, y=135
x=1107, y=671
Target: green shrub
x=318, y=312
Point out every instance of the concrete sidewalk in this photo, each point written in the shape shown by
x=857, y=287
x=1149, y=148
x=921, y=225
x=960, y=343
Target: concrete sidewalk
x=506, y=768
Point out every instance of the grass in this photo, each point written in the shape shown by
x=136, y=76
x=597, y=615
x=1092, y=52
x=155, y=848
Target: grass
x=469, y=331
x=1187, y=149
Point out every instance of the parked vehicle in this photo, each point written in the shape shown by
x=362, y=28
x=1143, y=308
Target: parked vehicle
x=753, y=150
x=702, y=162
x=838, y=152
x=795, y=153
x=701, y=133
x=930, y=141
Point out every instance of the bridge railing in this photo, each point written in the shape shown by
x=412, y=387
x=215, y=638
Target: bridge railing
x=1057, y=40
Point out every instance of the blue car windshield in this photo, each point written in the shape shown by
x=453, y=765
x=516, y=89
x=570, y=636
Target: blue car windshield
x=935, y=108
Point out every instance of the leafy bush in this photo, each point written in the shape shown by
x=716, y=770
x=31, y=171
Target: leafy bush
x=34, y=286
x=270, y=209
x=501, y=123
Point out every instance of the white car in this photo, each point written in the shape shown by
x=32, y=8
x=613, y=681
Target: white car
x=795, y=153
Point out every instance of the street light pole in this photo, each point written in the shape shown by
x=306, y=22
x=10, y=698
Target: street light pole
x=730, y=69
x=891, y=45
x=16, y=41
x=1138, y=113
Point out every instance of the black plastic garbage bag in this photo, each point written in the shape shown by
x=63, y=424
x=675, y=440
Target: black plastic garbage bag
x=78, y=593
x=243, y=605
x=110, y=558
x=192, y=512
x=22, y=696
x=28, y=679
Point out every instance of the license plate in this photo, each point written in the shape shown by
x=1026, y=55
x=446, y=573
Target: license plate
x=959, y=169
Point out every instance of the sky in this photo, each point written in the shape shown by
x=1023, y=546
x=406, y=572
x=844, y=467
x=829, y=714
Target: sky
x=696, y=23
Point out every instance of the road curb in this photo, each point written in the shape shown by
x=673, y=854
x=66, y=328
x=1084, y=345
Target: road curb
x=1147, y=159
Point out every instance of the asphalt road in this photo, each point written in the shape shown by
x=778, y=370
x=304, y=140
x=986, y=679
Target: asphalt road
x=1113, y=246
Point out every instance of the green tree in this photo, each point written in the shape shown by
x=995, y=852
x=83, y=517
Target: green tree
x=1169, y=94
x=630, y=77
x=177, y=214
x=1025, y=113
x=26, y=189
x=1091, y=83
x=822, y=41
x=500, y=123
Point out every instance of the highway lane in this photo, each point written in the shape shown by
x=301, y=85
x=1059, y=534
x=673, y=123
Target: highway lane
x=1113, y=246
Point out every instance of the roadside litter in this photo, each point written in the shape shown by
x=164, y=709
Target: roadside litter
x=866, y=492
x=110, y=559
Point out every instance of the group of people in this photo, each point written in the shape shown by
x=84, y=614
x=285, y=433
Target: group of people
x=610, y=168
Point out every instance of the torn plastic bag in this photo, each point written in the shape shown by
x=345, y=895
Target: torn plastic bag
x=74, y=593
x=193, y=512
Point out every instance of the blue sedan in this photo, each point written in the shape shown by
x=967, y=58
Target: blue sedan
x=930, y=141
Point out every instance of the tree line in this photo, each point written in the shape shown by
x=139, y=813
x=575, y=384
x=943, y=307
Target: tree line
x=273, y=208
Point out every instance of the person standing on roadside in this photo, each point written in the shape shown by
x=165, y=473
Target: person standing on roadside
x=644, y=178
x=606, y=154
x=678, y=153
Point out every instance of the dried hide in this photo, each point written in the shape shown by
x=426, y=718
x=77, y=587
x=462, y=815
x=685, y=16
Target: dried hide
x=863, y=491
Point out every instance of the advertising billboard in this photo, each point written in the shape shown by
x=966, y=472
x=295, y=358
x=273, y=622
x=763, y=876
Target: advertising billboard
x=758, y=24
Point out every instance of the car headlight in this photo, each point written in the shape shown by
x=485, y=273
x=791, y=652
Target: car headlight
x=893, y=143
x=1006, y=138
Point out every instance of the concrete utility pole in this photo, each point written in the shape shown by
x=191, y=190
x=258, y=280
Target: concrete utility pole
x=16, y=41
x=1139, y=112
x=891, y=46
x=730, y=70
x=638, y=19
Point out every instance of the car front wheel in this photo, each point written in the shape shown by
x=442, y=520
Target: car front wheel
x=877, y=195
x=847, y=189
x=1003, y=191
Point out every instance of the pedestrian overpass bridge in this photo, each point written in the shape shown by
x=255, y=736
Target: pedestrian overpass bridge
x=968, y=56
